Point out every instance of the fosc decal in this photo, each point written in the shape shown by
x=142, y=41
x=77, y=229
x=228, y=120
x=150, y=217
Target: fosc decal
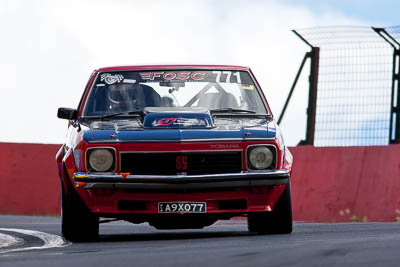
x=170, y=75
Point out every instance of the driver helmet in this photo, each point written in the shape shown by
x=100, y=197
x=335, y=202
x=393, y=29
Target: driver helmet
x=125, y=97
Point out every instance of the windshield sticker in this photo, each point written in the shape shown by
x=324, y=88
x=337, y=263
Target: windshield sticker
x=173, y=77
x=225, y=76
x=168, y=76
x=129, y=81
x=248, y=86
x=110, y=78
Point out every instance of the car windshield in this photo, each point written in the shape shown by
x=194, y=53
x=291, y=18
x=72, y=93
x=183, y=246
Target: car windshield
x=127, y=91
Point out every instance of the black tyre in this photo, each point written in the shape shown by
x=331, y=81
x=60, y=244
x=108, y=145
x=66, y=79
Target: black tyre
x=78, y=224
x=279, y=221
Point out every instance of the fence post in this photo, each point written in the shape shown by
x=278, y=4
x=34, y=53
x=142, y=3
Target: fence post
x=395, y=137
x=394, y=127
x=306, y=56
x=312, y=96
x=312, y=92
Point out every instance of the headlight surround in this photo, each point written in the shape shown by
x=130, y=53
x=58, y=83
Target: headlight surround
x=261, y=157
x=100, y=159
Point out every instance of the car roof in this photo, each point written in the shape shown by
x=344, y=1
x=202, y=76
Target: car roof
x=167, y=67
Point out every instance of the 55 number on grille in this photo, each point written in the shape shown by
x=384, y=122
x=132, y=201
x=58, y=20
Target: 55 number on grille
x=181, y=162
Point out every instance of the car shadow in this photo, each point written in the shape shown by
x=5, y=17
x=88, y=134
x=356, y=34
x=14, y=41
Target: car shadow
x=173, y=235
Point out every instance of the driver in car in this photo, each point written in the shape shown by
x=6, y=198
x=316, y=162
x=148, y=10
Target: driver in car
x=129, y=97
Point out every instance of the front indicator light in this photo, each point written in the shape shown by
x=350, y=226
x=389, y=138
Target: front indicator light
x=80, y=176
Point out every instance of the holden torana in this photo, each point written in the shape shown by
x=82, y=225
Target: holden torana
x=178, y=147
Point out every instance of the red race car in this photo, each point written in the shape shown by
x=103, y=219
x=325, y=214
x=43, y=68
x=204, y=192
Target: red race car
x=178, y=147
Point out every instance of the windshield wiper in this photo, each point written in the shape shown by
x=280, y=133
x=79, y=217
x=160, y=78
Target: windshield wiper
x=110, y=115
x=134, y=112
x=231, y=110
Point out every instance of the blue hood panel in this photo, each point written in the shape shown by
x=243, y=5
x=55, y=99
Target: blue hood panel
x=132, y=131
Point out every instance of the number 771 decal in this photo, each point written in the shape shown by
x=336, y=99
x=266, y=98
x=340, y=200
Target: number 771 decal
x=228, y=74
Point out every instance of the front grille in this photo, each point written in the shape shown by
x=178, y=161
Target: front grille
x=190, y=163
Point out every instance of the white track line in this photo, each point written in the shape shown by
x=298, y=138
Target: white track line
x=50, y=241
x=8, y=240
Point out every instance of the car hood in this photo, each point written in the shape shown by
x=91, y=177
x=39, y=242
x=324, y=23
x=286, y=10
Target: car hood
x=176, y=127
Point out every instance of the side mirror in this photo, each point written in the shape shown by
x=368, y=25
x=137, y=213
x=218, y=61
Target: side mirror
x=67, y=113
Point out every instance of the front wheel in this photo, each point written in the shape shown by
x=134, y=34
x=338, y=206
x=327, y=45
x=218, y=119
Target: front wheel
x=278, y=221
x=77, y=222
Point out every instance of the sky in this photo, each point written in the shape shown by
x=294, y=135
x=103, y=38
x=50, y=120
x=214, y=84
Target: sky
x=48, y=49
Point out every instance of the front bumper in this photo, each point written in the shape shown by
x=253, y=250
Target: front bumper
x=96, y=180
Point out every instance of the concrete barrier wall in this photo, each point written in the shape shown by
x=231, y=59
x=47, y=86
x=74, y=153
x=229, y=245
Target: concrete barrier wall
x=29, y=182
x=328, y=184
x=346, y=183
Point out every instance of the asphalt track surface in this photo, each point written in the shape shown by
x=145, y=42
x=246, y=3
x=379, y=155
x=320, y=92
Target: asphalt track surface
x=226, y=243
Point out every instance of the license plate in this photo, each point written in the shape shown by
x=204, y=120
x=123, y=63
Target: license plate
x=182, y=207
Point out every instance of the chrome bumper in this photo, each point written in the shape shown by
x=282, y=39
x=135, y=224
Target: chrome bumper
x=98, y=180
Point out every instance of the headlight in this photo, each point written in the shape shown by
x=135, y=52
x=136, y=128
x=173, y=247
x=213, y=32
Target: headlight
x=260, y=157
x=100, y=159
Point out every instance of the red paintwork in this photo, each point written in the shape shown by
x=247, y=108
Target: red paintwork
x=162, y=67
x=103, y=204
x=86, y=92
x=165, y=147
x=262, y=199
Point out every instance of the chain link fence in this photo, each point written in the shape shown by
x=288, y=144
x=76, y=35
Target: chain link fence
x=356, y=93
